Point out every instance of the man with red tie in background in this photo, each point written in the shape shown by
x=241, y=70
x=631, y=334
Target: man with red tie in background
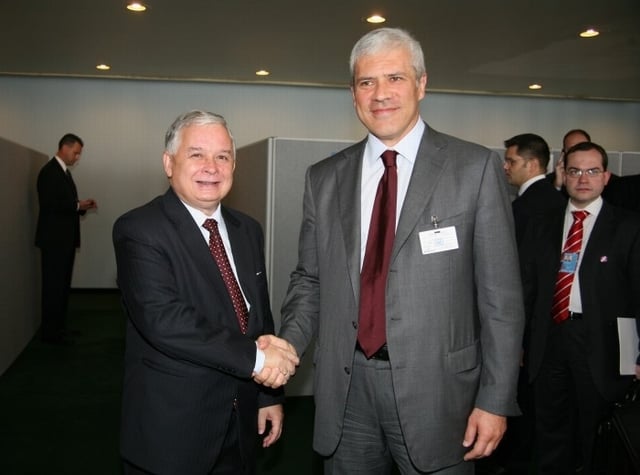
x=581, y=271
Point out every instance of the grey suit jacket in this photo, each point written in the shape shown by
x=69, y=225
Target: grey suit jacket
x=454, y=318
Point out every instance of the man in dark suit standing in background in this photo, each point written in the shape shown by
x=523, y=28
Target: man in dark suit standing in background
x=58, y=235
x=525, y=161
x=194, y=287
x=408, y=275
x=580, y=272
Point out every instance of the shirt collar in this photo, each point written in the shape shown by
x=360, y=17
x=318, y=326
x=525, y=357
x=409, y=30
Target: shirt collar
x=528, y=183
x=62, y=164
x=407, y=147
x=199, y=217
x=593, y=208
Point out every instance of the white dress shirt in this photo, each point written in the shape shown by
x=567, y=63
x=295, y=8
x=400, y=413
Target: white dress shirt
x=575, y=300
x=373, y=168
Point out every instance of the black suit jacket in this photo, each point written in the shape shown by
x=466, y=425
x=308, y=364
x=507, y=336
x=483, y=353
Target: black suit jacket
x=609, y=288
x=59, y=218
x=186, y=360
x=540, y=198
x=624, y=192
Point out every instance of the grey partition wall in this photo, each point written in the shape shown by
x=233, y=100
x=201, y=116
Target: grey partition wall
x=630, y=163
x=19, y=258
x=268, y=185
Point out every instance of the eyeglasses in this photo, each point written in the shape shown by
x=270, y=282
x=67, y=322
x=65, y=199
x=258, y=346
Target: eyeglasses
x=577, y=172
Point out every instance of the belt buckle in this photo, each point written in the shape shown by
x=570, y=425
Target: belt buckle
x=382, y=354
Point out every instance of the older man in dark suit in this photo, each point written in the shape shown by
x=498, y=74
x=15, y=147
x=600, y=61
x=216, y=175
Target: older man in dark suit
x=58, y=235
x=194, y=287
x=408, y=275
x=581, y=271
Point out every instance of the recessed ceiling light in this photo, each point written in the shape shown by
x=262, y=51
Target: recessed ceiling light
x=136, y=6
x=103, y=67
x=262, y=72
x=534, y=87
x=589, y=33
x=376, y=19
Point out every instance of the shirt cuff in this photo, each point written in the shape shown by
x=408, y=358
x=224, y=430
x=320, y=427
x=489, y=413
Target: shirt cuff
x=260, y=357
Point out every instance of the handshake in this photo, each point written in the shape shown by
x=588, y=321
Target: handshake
x=280, y=361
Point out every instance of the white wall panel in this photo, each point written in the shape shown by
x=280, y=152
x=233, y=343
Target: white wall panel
x=123, y=124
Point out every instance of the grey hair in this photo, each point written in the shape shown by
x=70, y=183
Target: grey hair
x=384, y=39
x=195, y=117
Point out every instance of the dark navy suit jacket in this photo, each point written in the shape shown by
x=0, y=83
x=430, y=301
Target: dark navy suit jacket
x=186, y=359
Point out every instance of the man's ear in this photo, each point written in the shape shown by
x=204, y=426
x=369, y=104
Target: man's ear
x=167, y=163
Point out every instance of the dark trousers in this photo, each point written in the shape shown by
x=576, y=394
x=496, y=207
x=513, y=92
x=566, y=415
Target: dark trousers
x=57, y=269
x=568, y=404
x=515, y=452
x=229, y=462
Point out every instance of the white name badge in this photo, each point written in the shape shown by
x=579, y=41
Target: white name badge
x=438, y=240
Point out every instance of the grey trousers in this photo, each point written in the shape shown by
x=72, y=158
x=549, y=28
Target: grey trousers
x=372, y=440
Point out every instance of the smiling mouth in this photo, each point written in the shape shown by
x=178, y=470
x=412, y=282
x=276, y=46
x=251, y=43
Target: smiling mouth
x=385, y=110
x=206, y=183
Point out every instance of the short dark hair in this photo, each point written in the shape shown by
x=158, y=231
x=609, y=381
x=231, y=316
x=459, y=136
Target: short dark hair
x=585, y=147
x=531, y=146
x=69, y=139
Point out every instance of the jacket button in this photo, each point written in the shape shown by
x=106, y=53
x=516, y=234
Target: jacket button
x=347, y=370
x=355, y=324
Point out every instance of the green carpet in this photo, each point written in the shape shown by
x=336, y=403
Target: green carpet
x=60, y=406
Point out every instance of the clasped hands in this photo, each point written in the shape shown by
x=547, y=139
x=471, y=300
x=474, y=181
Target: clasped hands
x=280, y=362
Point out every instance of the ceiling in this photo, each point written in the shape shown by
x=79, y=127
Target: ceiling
x=474, y=46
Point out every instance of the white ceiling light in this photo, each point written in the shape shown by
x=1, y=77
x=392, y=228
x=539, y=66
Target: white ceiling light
x=136, y=6
x=376, y=19
x=589, y=33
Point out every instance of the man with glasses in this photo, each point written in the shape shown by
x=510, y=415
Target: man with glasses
x=580, y=272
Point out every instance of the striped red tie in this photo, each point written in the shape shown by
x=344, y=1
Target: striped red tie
x=570, y=252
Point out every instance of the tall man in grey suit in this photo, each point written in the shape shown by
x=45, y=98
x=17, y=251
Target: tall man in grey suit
x=190, y=406
x=438, y=389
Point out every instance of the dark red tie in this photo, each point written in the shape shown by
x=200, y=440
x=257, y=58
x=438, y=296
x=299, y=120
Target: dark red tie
x=216, y=246
x=373, y=277
x=564, y=280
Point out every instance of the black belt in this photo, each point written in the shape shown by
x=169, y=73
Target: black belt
x=575, y=316
x=382, y=354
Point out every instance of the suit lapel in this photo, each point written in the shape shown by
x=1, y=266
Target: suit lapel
x=427, y=170
x=597, y=244
x=552, y=242
x=348, y=171
x=188, y=232
x=242, y=258
x=64, y=177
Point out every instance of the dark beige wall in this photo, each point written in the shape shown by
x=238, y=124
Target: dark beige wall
x=19, y=258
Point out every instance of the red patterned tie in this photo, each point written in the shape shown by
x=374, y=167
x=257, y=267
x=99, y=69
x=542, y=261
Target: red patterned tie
x=560, y=308
x=216, y=246
x=373, y=278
